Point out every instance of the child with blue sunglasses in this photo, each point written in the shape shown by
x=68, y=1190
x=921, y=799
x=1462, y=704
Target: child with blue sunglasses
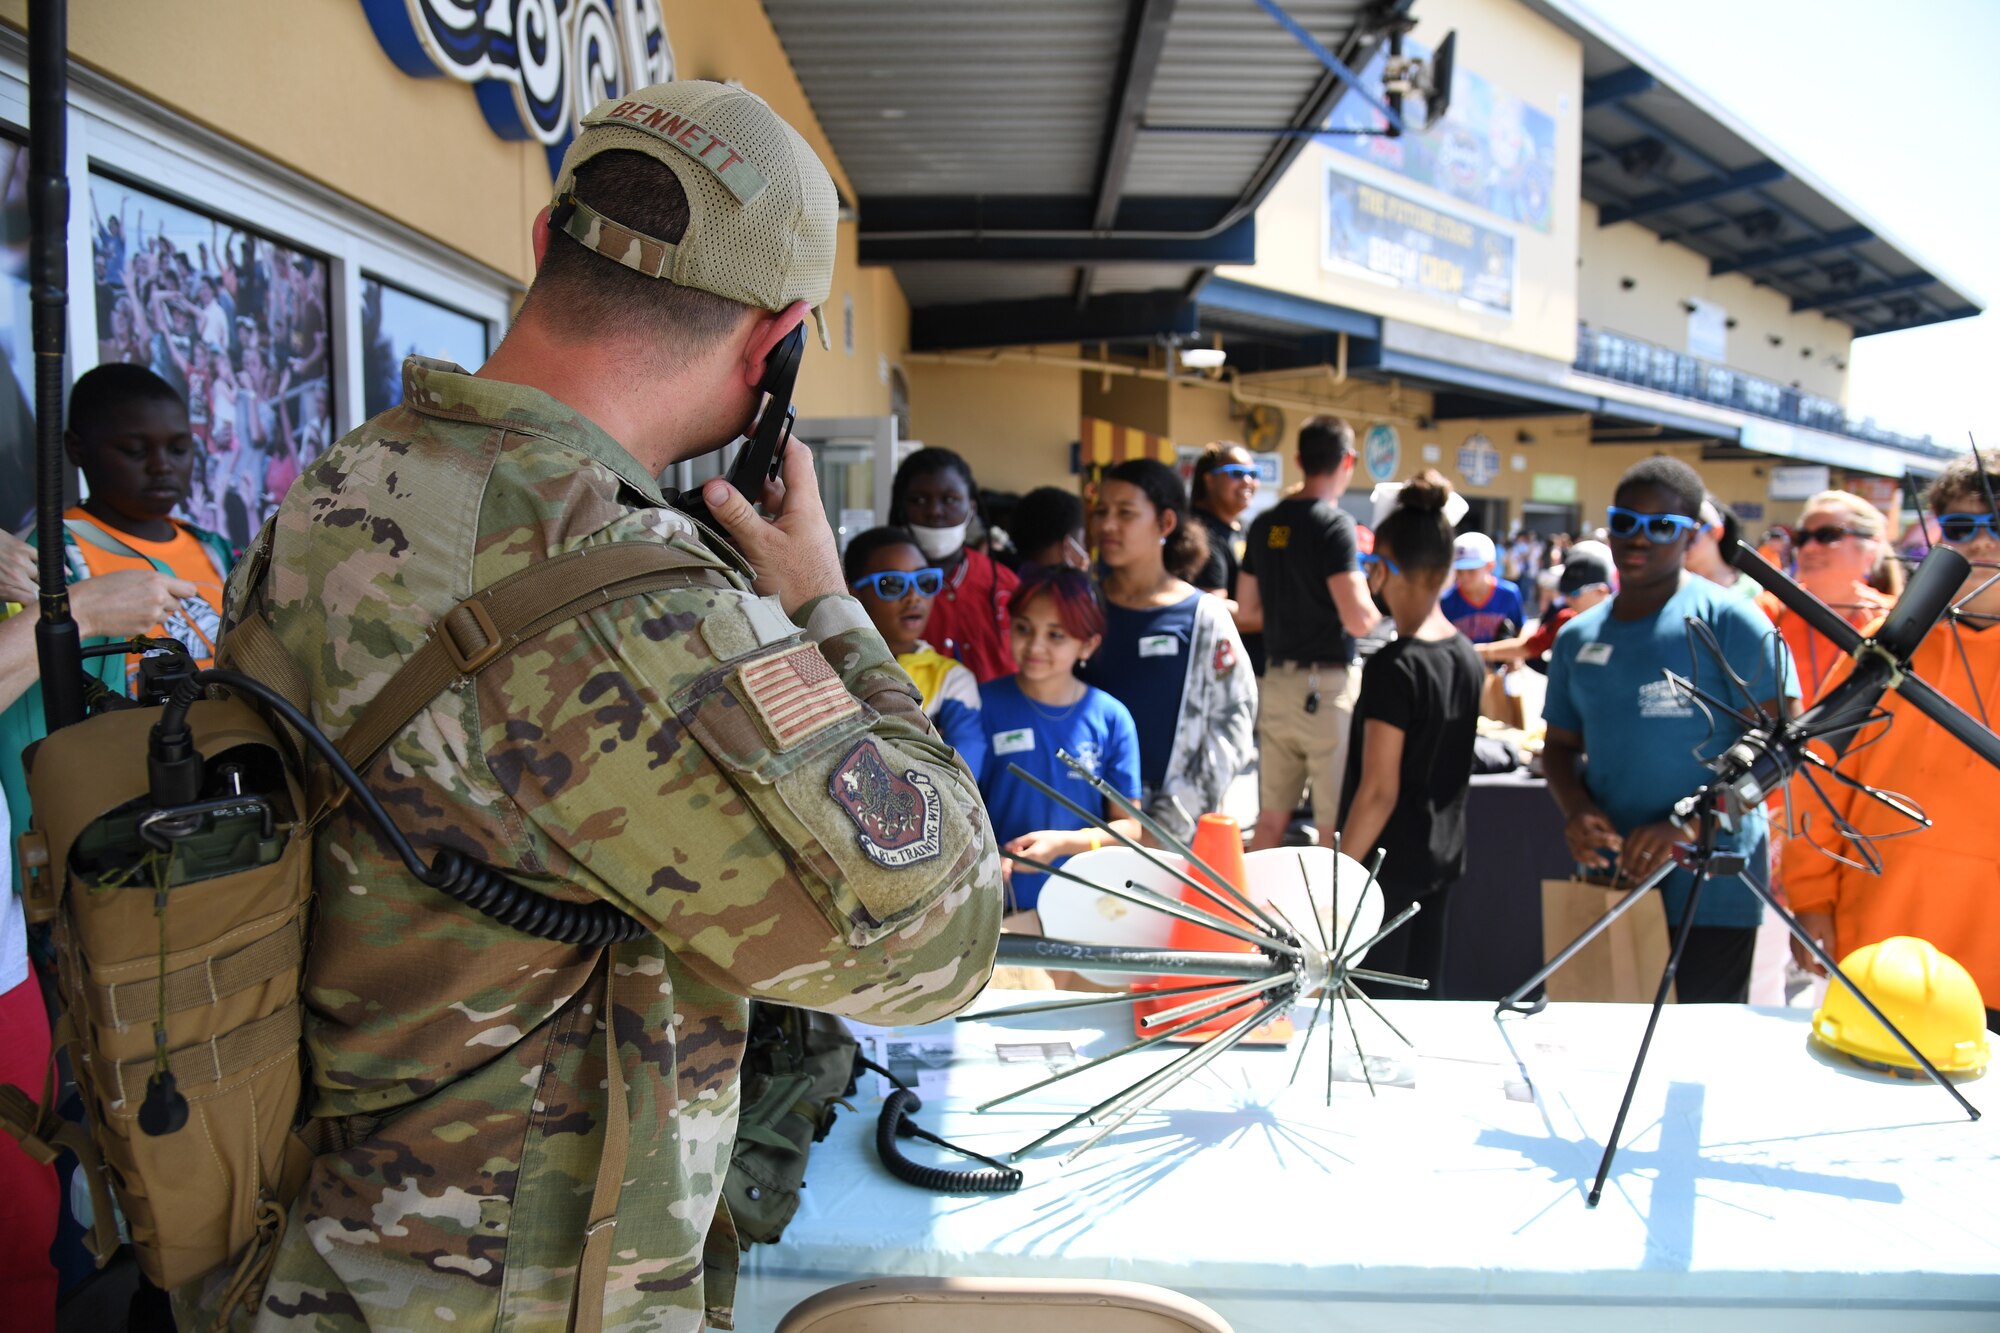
x=890, y=578
x=1624, y=745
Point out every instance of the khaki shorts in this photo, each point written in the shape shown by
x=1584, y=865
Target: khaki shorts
x=1297, y=750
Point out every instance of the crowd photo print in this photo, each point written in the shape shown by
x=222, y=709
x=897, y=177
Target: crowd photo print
x=236, y=323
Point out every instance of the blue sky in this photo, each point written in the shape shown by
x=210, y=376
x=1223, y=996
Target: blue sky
x=1893, y=107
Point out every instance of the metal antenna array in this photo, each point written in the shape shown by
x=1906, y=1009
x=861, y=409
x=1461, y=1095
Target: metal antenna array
x=1773, y=749
x=1249, y=989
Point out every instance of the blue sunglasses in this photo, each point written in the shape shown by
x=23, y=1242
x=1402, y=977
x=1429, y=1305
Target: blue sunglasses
x=1958, y=529
x=892, y=585
x=1659, y=528
x=1371, y=559
x=1240, y=470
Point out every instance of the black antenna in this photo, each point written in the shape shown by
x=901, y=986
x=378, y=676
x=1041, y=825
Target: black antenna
x=1985, y=482
x=58, y=647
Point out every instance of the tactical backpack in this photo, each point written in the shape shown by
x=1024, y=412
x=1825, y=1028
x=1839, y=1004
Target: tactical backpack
x=798, y=1066
x=181, y=927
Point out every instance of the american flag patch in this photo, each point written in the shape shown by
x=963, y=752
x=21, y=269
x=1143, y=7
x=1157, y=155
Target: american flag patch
x=796, y=694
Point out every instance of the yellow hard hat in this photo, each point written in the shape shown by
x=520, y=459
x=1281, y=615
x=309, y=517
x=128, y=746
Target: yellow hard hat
x=1923, y=991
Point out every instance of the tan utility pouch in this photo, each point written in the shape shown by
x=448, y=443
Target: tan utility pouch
x=223, y=966
x=216, y=1191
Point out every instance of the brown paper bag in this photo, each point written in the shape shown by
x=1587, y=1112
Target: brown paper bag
x=1496, y=703
x=1623, y=964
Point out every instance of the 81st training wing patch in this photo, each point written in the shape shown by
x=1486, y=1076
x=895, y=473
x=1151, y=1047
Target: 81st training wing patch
x=896, y=818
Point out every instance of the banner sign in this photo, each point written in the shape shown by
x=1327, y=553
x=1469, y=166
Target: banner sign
x=1395, y=239
x=1492, y=149
x=536, y=66
x=1800, y=481
x=1383, y=449
x=1553, y=488
x=1479, y=461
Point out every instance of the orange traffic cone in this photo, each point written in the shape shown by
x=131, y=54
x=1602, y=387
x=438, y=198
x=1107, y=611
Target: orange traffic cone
x=1218, y=840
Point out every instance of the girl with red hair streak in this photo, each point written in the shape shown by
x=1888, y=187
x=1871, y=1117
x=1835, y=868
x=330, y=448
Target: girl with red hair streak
x=1057, y=623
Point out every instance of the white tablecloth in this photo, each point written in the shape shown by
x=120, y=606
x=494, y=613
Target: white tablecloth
x=1760, y=1183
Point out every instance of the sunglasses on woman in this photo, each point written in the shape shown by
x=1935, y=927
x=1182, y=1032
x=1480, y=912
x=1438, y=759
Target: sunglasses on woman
x=892, y=585
x=1829, y=536
x=1239, y=471
x=1958, y=529
x=1659, y=529
x=1370, y=559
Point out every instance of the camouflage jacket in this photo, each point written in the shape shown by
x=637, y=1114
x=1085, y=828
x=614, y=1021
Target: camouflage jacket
x=767, y=797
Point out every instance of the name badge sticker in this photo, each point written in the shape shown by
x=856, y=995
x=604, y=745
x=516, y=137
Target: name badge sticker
x=1159, y=645
x=1593, y=654
x=1014, y=742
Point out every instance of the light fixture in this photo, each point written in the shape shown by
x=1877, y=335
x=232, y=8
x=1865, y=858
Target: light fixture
x=1203, y=358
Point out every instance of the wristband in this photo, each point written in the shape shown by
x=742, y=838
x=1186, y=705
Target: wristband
x=1096, y=840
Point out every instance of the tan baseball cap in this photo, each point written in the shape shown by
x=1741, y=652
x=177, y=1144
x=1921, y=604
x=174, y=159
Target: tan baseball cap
x=762, y=210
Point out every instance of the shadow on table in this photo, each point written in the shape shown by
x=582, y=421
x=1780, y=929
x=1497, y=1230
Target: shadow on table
x=1852, y=1068
x=1674, y=1168
x=1119, y=1171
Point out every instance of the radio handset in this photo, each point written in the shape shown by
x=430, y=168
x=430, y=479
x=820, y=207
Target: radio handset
x=763, y=454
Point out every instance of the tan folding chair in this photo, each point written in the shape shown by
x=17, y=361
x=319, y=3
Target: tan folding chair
x=1000, y=1305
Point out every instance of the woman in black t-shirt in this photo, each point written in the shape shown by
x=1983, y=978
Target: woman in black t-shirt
x=1416, y=719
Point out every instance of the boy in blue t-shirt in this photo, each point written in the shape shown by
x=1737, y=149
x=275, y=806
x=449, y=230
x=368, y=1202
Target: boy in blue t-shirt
x=1057, y=621
x=1481, y=607
x=1609, y=701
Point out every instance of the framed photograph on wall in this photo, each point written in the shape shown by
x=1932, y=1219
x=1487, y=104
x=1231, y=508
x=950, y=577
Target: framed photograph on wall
x=236, y=322
x=17, y=385
x=396, y=325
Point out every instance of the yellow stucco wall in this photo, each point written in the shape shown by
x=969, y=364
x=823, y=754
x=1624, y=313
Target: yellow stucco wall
x=1665, y=274
x=1203, y=412
x=1013, y=422
x=1559, y=445
x=1517, y=52
x=418, y=151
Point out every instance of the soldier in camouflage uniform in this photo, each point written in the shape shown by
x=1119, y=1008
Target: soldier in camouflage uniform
x=750, y=776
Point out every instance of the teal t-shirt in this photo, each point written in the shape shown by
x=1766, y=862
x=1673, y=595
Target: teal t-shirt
x=1644, y=741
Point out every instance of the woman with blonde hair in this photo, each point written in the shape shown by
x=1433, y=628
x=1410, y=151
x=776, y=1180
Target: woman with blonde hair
x=1840, y=542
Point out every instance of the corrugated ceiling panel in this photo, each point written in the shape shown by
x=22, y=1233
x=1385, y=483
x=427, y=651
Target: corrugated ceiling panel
x=924, y=98
x=1227, y=63
x=1140, y=277
x=973, y=284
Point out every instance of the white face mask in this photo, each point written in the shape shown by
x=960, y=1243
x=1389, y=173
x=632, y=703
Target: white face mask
x=937, y=543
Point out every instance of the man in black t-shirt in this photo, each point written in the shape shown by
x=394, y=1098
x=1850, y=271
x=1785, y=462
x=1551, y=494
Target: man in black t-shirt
x=1301, y=584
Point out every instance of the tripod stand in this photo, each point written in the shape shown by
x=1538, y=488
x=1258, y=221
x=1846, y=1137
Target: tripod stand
x=1760, y=763
x=1702, y=858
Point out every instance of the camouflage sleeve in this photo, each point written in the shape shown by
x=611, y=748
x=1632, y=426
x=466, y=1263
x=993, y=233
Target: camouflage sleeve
x=773, y=804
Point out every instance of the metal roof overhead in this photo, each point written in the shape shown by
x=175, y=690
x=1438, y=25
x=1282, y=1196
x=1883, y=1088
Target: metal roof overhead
x=1003, y=164
x=1657, y=153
